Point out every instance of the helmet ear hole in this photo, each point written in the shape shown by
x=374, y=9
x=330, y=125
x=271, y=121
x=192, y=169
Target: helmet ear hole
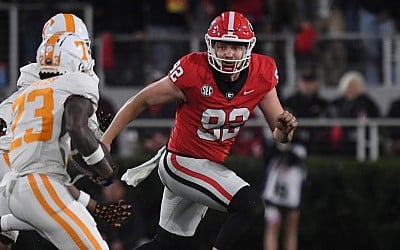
x=81, y=68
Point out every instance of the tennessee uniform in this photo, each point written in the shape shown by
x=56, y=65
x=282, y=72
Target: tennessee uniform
x=38, y=156
x=30, y=73
x=39, y=151
x=61, y=22
x=205, y=129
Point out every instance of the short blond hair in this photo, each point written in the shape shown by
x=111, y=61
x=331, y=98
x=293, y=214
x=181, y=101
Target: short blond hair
x=348, y=77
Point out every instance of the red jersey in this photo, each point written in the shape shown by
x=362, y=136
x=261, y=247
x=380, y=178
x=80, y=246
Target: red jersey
x=207, y=124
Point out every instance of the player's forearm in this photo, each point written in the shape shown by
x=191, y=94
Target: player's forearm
x=282, y=137
x=128, y=112
x=83, y=140
x=79, y=195
x=76, y=123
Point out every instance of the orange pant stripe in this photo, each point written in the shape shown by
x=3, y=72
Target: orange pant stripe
x=46, y=206
x=70, y=214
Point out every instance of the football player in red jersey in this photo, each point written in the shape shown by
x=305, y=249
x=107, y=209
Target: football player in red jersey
x=215, y=93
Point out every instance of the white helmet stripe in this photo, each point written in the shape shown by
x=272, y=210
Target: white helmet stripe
x=231, y=22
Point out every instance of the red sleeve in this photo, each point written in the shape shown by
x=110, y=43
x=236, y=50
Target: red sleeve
x=265, y=70
x=275, y=75
x=186, y=69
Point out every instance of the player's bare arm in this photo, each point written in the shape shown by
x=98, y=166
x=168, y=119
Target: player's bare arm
x=159, y=92
x=77, y=111
x=76, y=193
x=281, y=121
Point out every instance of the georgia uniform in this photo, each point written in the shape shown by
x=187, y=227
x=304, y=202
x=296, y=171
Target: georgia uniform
x=38, y=155
x=208, y=123
x=206, y=126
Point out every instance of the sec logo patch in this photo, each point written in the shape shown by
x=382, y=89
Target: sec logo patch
x=207, y=90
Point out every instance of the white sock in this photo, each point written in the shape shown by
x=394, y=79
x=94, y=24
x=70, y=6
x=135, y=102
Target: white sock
x=83, y=198
x=10, y=223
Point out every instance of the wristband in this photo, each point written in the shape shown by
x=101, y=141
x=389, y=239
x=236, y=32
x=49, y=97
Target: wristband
x=83, y=198
x=95, y=157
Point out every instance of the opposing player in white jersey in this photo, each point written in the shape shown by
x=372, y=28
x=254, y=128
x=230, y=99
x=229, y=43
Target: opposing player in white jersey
x=115, y=213
x=29, y=74
x=46, y=115
x=61, y=22
x=6, y=238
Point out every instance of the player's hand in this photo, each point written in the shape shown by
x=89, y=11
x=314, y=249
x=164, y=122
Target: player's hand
x=93, y=176
x=286, y=122
x=102, y=181
x=114, y=213
x=80, y=165
x=101, y=173
x=105, y=180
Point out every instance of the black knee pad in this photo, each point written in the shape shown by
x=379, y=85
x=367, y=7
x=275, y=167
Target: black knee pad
x=168, y=241
x=247, y=201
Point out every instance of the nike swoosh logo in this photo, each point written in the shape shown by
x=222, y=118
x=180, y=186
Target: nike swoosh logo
x=248, y=92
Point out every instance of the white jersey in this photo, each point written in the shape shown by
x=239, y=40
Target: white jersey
x=39, y=143
x=30, y=73
x=5, y=140
x=5, y=114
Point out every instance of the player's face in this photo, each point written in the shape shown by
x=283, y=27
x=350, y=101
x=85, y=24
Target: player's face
x=230, y=51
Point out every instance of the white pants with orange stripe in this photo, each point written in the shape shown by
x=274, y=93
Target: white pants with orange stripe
x=191, y=187
x=46, y=204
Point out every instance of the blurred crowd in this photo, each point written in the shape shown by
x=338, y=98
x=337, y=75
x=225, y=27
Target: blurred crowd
x=306, y=20
x=352, y=101
x=130, y=63
x=350, y=66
